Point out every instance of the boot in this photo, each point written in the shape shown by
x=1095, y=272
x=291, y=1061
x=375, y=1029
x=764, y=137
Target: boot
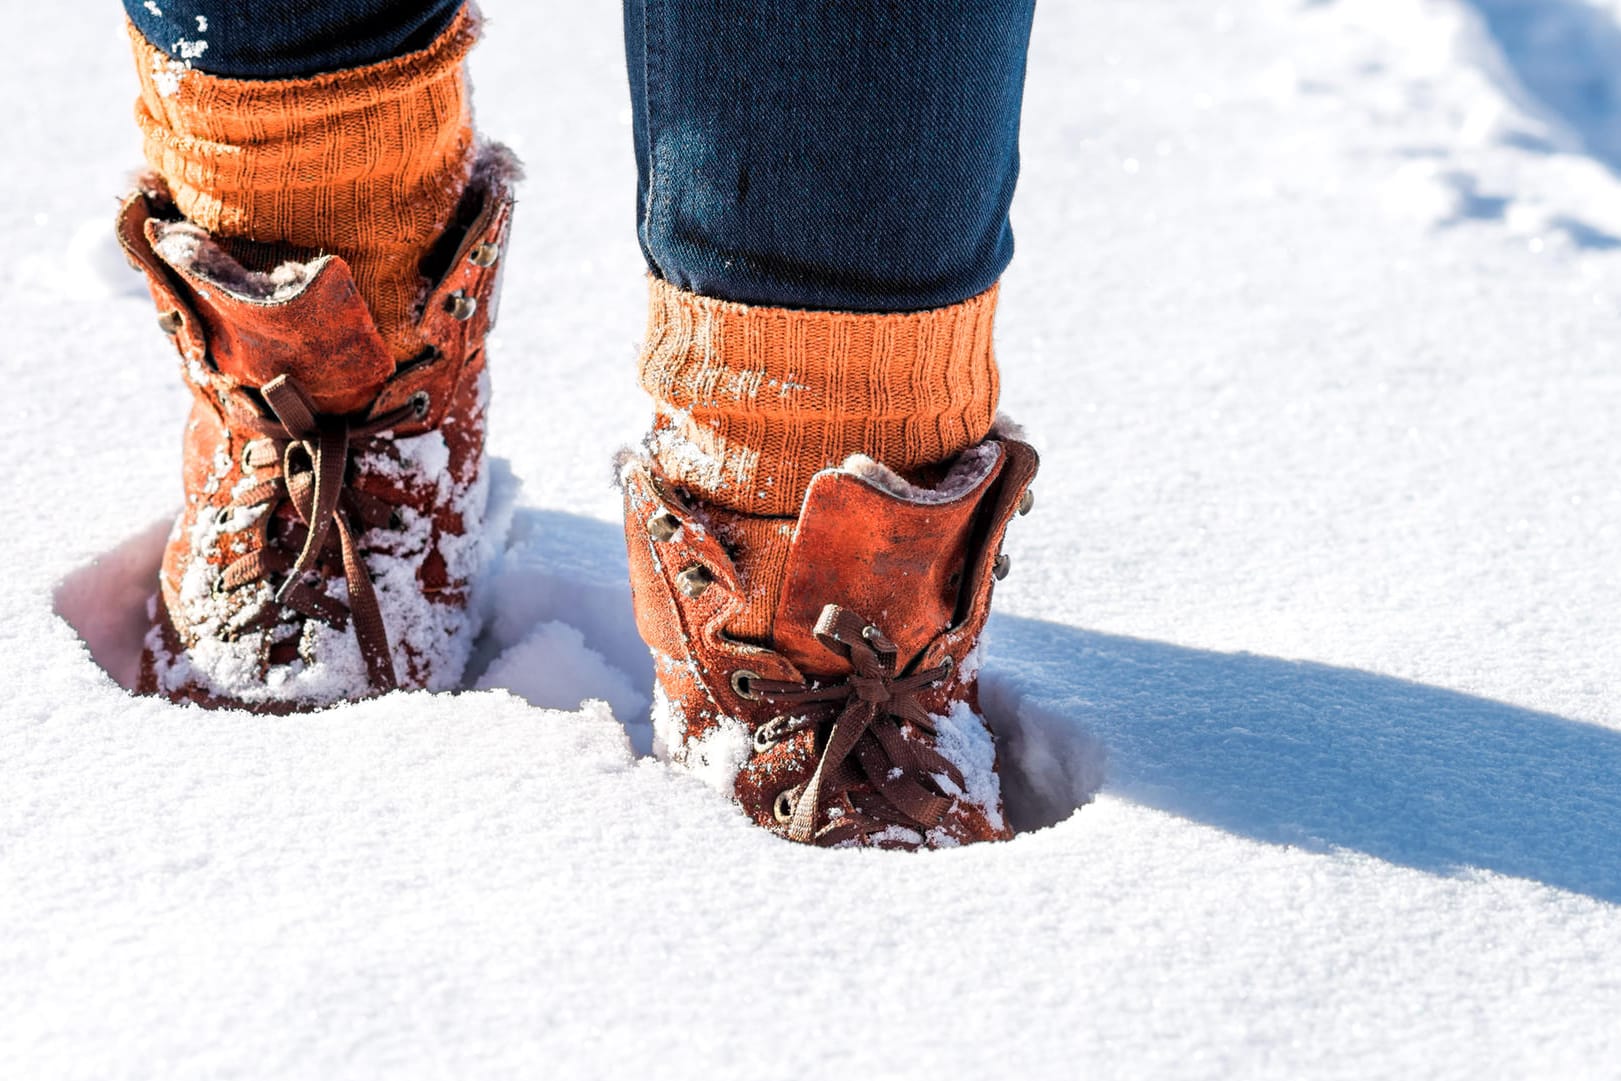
x=855, y=721
x=334, y=494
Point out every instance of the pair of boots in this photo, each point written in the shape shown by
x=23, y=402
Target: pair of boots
x=813, y=613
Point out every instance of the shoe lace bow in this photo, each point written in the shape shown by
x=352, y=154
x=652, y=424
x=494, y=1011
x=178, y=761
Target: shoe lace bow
x=311, y=455
x=868, y=737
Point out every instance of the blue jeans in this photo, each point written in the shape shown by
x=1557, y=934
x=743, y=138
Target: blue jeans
x=306, y=37
x=857, y=155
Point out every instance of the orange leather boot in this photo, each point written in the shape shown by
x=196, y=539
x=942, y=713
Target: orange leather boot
x=820, y=665
x=334, y=495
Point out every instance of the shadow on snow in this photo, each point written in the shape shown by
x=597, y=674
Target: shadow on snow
x=1280, y=751
x=1567, y=54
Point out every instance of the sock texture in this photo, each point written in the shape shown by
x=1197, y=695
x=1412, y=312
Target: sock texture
x=367, y=164
x=750, y=402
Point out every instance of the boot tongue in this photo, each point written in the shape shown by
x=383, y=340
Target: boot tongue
x=303, y=320
x=893, y=553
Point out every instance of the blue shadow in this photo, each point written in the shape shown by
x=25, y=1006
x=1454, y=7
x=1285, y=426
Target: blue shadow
x=1280, y=751
x=1320, y=757
x=1567, y=54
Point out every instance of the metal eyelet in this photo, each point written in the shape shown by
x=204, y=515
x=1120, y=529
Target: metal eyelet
x=1000, y=568
x=768, y=735
x=170, y=322
x=223, y=515
x=246, y=459
x=484, y=255
x=740, y=684
x=694, y=580
x=462, y=306
x=661, y=527
x=782, y=808
x=420, y=403
x=1027, y=501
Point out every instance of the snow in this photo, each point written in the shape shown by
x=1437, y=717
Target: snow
x=553, y=668
x=1317, y=607
x=440, y=637
x=964, y=742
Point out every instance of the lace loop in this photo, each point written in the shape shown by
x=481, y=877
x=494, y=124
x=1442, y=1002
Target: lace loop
x=866, y=739
x=311, y=453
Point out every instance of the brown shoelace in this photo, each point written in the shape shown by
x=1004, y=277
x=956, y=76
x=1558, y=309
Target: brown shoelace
x=311, y=453
x=866, y=739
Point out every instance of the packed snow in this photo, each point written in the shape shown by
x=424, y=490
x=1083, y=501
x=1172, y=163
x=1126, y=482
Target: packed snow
x=1307, y=676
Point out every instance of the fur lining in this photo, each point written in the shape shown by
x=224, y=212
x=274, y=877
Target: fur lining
x=494, y=164
x=966, y=473
x=624, y=459
x=1004, y=427
x=189, y=248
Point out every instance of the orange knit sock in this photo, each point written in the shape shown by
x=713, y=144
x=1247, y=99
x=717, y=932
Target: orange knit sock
x=750, y=402
x=366, y=164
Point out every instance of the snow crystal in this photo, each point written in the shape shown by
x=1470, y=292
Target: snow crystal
x=714, y=757
x=964, y=741
x=166, y=74
x=692, y=462
x=669, y=720
x=900, y=836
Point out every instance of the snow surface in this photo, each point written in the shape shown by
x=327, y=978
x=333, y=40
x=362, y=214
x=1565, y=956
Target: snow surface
x=1315, y=323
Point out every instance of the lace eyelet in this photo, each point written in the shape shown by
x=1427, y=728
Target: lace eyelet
x=740, y=684
x=694, y=580
x=768, y=735
x=662, y=527
x=420, y=403
x=461, y=306
x=782, y=808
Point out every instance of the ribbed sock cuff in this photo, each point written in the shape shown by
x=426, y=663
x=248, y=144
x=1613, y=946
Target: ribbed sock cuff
x=367, y=163
x=750, y=402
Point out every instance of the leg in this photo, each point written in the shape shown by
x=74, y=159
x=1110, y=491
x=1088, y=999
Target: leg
x=321, y=248
x=364, y=162
x=237, y=38
x=822, y=200
x=844, y=156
